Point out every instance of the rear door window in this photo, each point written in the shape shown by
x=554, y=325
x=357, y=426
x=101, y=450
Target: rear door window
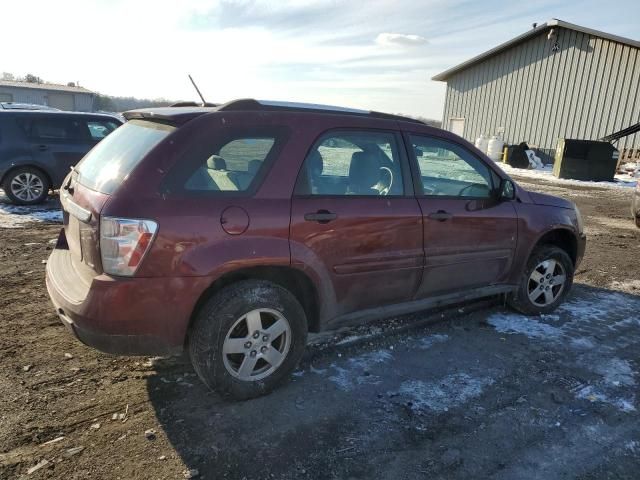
x=109, y=163
x=98, y=129
x=57, y=128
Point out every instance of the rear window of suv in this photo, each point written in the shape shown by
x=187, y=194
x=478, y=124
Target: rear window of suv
x=109, y=163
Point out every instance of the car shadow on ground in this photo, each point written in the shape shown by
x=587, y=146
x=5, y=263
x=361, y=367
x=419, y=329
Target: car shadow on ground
x=453, y=394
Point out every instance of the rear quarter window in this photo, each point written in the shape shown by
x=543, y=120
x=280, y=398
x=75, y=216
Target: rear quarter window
x=233, y=160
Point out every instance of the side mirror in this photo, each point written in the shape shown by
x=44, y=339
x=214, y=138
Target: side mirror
x=507, y=190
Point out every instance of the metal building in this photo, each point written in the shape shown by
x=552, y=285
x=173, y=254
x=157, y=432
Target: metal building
x=58, y=96
x=558, y=80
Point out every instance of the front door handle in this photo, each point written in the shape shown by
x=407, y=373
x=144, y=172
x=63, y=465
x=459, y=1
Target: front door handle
x=43, y=148
x=440, y=216
x=321, y=216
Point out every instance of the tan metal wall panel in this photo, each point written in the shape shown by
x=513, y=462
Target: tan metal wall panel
x=587, y=89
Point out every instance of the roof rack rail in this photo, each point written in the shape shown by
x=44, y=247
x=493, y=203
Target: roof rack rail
x=194, y=104
x=245, y=104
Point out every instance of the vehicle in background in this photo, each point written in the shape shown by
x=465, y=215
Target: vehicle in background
x=25, y=106
x=39, y=147
x=232, y=231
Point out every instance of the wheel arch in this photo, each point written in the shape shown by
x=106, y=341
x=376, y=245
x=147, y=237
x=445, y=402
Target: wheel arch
x=17, y=166
x=292, y=279
x=563, y=238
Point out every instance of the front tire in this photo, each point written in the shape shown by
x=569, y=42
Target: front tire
x=545, y=282
x=26, y=186
x=247, y=339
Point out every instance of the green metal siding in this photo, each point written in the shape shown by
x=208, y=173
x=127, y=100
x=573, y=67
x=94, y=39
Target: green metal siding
x=587, y=89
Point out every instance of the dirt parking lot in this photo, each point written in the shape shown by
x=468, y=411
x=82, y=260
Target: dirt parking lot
x=471, y=392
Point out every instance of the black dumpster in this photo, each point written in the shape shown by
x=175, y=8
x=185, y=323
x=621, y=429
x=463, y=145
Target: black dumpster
x=585, y=160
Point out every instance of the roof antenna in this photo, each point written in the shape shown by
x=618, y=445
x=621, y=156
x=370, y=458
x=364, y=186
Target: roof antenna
x=204, y=103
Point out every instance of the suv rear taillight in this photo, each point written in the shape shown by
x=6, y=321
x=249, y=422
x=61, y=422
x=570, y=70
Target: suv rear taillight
x=124, y=242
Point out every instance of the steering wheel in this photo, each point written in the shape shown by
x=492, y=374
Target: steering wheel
x=429, y=189
x=384, y=187
x=471, y=185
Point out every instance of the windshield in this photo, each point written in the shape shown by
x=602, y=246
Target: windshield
x=109, y=163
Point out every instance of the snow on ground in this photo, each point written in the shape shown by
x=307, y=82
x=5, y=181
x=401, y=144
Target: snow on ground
x=631, y=286
x=587, y=319
x=439, y=396
x=508, y=322
x=12, y=216
x=358, y=370
x=430, y=340
x=15, y=216
x=620, y=180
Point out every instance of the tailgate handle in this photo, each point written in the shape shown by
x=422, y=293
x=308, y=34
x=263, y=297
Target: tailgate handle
x=440, y=216
x=321, y=216
x=74, y=209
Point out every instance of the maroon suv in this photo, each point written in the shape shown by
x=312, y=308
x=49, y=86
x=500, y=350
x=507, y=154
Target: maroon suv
x=233, y=231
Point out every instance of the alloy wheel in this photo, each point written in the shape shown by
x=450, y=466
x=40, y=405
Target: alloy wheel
x=257, y=344
x=27, y=186
x=546, y=283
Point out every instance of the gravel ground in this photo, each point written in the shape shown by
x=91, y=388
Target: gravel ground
x=470, y=392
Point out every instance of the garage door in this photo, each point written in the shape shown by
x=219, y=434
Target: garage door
x=63, y=101
x=6, y=97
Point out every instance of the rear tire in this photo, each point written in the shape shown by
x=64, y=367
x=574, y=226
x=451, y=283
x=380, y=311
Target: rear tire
x=26, y=186
x=545, y=282
x=247, y=339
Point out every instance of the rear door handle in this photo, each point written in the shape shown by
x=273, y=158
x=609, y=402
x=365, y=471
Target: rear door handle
x=440, y=216
x=43, y=148
x=321, y=216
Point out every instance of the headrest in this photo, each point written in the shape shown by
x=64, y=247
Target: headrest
x=253, y=166
x=216, y=162
x=316, y=163
x=364, y=172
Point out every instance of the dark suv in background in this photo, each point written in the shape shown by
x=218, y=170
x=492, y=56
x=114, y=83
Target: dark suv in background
x=233, y=231
x=38, y=147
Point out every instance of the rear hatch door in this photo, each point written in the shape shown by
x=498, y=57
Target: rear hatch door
x=94, y=180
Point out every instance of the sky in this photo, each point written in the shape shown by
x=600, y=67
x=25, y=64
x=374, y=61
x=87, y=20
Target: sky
x=375, y=54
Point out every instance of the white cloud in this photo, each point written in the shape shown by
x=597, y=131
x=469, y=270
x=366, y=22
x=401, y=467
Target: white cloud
x=400, y=39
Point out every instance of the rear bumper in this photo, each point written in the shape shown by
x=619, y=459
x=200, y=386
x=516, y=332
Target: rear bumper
x=125, y=316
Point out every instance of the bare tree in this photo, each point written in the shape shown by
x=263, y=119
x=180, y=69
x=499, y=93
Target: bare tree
x=30, y=78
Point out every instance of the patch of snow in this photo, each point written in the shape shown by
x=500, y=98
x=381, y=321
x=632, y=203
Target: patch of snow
x=616, y=371
x=546, y=173
x=430, y=340
x=358, y=370
x=16, y=216
x=358, y=338
x=617, y=378
x=582, y=343
x=632, y=446
x=596, y=308
x=451, y=391
x=593, y=394
x=516, y=323
x=631, y=286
